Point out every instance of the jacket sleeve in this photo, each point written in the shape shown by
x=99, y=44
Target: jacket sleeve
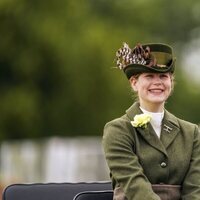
x=118, y=144
x=191, y=184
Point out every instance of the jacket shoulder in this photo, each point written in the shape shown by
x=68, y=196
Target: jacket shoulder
x=120, y=120
x=187, y=126
x=119, y=127
x=182, y=124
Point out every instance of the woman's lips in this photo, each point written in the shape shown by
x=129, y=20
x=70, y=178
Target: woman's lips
x=156, y=90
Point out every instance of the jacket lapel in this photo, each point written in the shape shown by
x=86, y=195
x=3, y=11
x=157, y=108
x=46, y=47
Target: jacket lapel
x=170, y=129
x=150, y=136
x=147, y=133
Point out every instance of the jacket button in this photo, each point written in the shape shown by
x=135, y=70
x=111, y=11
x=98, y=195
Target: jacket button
x=163, y=164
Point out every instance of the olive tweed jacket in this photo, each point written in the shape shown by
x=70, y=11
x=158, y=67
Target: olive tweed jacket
x=137, y=158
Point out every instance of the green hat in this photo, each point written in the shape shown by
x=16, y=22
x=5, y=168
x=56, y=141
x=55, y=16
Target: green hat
x=150, y=58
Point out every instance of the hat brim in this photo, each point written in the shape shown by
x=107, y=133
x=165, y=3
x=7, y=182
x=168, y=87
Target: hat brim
x=134, y=69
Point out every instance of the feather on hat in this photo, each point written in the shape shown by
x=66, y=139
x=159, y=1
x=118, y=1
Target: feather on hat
x=155, y=58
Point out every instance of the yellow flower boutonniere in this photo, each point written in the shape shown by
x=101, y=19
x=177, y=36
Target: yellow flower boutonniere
x=141, y=120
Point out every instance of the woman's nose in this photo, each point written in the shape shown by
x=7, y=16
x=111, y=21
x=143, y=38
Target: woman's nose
x=157, y=80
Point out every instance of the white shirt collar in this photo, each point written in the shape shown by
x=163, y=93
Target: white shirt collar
x=156, y=120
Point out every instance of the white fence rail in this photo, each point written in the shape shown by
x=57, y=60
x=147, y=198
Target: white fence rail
x=52, y=160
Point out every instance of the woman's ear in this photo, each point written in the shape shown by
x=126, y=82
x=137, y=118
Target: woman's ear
x=133, y=82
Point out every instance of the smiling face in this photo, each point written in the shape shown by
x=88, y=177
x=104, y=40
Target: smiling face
x=153, y=89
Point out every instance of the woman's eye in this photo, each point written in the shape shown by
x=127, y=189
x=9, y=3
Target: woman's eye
x=149, y=75
x=163, y=76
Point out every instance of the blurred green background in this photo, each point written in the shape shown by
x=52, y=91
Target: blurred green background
x=57, y=75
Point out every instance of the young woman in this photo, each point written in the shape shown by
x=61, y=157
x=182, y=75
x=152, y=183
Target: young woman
x=151, y=154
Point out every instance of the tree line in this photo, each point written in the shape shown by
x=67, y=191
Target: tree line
x=57, y=70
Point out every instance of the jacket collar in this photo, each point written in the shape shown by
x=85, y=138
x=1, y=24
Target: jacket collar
x=169, y=130
x=133, y=110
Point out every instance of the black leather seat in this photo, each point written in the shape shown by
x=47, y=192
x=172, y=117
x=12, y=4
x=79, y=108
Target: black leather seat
x=94, y=195
x=51, y=191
